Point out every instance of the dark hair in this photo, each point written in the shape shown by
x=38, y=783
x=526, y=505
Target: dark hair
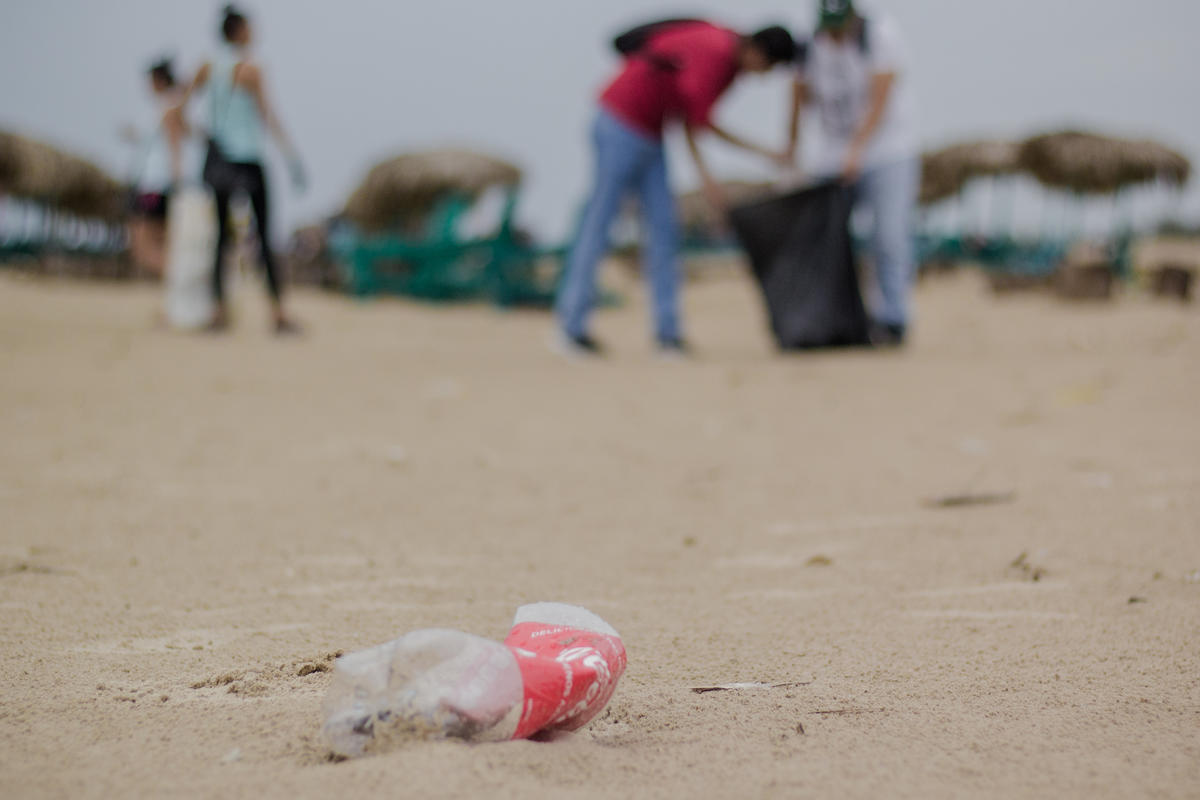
x=233, y=23
x=163, y=71
x=776, y=44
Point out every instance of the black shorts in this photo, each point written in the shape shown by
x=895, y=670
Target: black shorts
x=151, y=206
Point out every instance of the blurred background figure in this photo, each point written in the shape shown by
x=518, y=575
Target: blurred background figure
x=239, y=113
x=674, y=71
x=854, y=76
x=159, y=168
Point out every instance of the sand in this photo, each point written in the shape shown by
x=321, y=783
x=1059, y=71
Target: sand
x=193, y=526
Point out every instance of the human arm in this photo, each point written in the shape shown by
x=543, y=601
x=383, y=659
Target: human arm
x=709, y=67
x=880, y=92
x=737, y=141
x=250, y=76
x=197, y=83
x=176, y=129
x=712, y=191
x=799, y=100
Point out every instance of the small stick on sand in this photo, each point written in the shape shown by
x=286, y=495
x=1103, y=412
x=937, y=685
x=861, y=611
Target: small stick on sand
x=960, y=500
x=734, y=687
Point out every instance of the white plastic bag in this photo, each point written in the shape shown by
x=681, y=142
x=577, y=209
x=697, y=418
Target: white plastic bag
x=191, y=243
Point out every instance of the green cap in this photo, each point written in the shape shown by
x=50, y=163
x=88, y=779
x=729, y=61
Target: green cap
x=835, y=13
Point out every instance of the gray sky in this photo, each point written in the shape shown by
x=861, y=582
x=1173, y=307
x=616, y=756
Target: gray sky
x=357, y=80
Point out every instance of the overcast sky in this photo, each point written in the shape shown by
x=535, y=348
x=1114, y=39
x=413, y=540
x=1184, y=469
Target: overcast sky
x=357, y=80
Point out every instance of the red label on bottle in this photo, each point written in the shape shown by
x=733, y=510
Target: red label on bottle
x=569, y=675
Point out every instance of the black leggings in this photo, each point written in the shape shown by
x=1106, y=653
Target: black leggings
x=250, y=179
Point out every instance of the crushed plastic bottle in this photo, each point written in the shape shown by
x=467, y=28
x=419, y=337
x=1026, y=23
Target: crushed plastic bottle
x=556, y=671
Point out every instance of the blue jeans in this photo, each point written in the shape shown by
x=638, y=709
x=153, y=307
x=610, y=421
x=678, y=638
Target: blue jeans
x=627, y=162
x=890, y=193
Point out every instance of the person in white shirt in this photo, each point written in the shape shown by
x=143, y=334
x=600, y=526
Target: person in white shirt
x=853, y=75
x=161, y=168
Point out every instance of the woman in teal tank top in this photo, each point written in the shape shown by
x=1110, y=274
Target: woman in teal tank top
x=239, y=116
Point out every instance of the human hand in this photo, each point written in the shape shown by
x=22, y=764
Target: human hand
x=297, y=173
x=715, y=196
x=129, y=134
x=852, y=166
x=785, y=159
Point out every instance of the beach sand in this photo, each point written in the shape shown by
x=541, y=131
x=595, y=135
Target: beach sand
x=192, y=526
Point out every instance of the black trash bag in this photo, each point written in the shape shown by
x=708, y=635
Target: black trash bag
x=802, y=254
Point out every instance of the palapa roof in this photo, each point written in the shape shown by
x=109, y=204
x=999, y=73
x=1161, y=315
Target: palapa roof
x=1091, y=164
x=945, y=172
x=36, y=171
x=409, y=185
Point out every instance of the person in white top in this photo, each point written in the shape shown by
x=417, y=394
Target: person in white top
x=160, y=168
x=854, y=77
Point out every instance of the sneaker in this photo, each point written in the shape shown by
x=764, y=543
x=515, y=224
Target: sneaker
x=886, y=335
x=674, y=349
x=582, y=346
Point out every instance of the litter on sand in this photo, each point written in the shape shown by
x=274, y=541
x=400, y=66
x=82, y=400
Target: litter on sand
x=1027, y=568
x=556, y=671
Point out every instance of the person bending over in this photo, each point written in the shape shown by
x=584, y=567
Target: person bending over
x=675, y=74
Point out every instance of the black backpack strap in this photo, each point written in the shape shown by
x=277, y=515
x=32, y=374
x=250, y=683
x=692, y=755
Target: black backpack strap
x=802, y=47
x=634, y=39
x=864, y=37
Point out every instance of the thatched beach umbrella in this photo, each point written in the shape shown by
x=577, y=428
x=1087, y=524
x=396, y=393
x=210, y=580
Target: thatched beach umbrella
x=1089, y=164
x=89, y=192
x=945, y=172
x=30, y=169
x=33, y=170
x=8, y=161
x=408, y=186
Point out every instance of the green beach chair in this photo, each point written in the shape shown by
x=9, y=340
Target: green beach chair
x=439, y=265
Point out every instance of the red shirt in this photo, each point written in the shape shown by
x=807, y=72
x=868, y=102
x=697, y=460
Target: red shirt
x=647, y=96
